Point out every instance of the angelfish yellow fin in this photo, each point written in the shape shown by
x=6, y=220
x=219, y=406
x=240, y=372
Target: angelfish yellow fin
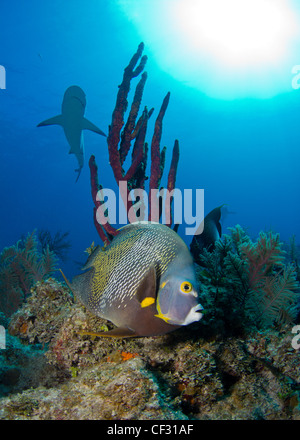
x=147, y=301
x=163, y=317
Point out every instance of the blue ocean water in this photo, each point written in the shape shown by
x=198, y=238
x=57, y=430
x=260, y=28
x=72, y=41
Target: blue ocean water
x=244, y=152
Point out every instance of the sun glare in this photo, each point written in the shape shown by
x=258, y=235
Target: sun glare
x=225, y=48
x=236, y=33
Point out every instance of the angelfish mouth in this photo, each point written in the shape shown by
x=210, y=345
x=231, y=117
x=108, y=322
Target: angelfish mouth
x=193, y=315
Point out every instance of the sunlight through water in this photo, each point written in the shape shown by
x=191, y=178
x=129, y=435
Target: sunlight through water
x=225, y=48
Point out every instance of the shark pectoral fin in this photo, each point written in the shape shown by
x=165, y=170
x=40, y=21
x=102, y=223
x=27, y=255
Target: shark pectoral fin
x=56, y=120
x=87, y=125
x=119, y=332
x=146, y=293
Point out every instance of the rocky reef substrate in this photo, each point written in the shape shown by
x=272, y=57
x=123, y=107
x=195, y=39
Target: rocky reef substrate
x=53, y=369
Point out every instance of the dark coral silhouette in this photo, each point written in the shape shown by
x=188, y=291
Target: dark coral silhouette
x=21, y=266
x=56, y=243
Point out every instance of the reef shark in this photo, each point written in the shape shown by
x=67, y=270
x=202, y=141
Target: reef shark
x=73, y=122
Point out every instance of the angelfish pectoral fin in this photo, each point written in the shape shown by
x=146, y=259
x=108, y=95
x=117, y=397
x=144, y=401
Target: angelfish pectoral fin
x=147, y=302
x=119, y=332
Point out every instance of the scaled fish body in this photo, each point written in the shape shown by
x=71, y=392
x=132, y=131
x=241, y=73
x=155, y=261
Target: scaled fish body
x=144, y=282
x=211, y=232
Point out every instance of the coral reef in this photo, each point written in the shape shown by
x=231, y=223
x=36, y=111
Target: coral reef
x=41, y=316
x=119, y=142
x=21, y=266
x=238, y=362
x=3, y=319
x=178, y=376
x=25, y=366
x=107, y=391
x=57, y=243
x=246, y=285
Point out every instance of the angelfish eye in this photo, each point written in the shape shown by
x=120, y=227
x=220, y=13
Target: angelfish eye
x=186, y=287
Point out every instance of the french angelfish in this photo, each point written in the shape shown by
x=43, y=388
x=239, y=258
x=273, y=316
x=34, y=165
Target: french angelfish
x=144, y=282
x=73, y=122
x=212, y=231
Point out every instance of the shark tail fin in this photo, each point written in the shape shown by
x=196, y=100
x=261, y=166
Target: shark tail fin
x=56, y=120
x=88, y=125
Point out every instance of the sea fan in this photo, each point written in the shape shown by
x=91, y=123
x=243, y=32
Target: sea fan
x=238, y=270
x=262, y=256
x=47, y=262
x=293, y=254
x=249, y=284
x=238, y=236
x=21, y=266
x=57, y=243
x=275, y=299
x=212, y=263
